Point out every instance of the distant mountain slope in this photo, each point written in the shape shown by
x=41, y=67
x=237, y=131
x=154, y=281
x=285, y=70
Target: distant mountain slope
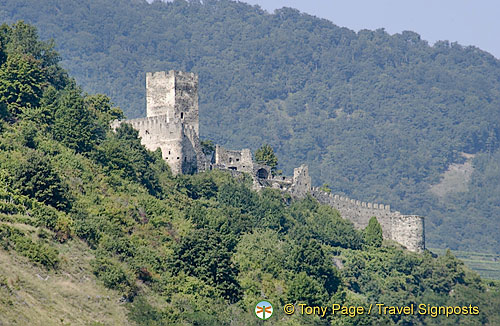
x=377, y=117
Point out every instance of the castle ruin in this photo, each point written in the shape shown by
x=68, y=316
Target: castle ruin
x=172, y=125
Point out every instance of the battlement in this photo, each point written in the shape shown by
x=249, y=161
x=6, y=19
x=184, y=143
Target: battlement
x=155, y=128
x=360, y=204
x=407, y=230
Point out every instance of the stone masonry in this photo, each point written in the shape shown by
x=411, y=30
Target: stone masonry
x=172, y=125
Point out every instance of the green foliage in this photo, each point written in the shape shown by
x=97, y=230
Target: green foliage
x=208, y=147
x=22, y=39
x=305, y=289
x=265, y=155
x=45, y=215
x=74, y=124
x=101, y=105
x=35, y=177
x=142, y=313
x=324, y=224
x=21, y=83
x=35, y=251
x=262, y=250
x=205, y=254
x=325, y=188
x=308, y=257
x=113, y=275
x=373, y=233
x=122, y=152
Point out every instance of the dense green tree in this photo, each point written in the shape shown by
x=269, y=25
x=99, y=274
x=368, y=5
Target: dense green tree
x=22, y=38
x=122, y=151
x=34, y=176
x=204, y=254
x=305, y=289
x=74, y=124
x=307, y=256
x=265, y=155
x=373, y=233
x=101, y=105
x=21, y=83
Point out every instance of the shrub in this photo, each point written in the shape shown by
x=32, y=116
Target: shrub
x=36, y=252
x=35, y=177
x=114, y=276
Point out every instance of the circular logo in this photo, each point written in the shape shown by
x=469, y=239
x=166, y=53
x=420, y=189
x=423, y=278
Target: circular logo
x=263, y=310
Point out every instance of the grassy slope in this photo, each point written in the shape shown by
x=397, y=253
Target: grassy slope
x=31, y=295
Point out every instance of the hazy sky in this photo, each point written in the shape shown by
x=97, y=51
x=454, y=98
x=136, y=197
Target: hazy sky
x=468, y=22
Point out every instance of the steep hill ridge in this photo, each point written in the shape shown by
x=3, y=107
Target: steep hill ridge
x=378, y=117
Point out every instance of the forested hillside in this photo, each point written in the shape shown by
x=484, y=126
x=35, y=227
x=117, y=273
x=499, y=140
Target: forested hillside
x=378, y=117
x=83, y=209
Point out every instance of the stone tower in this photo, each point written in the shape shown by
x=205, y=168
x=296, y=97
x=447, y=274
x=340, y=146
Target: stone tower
x=174, y=95
x=172, y=120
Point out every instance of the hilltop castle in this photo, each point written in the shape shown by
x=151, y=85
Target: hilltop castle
x=172, y=124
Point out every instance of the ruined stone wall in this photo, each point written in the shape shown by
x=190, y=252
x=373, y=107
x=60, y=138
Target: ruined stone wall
x=186, y=99
x=301, y=182
x=202, y=162
x=160, y=94
x=407, y=230
x=234, y=160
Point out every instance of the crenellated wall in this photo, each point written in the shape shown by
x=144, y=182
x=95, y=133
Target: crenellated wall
x=407, y=230
x=172, y=137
